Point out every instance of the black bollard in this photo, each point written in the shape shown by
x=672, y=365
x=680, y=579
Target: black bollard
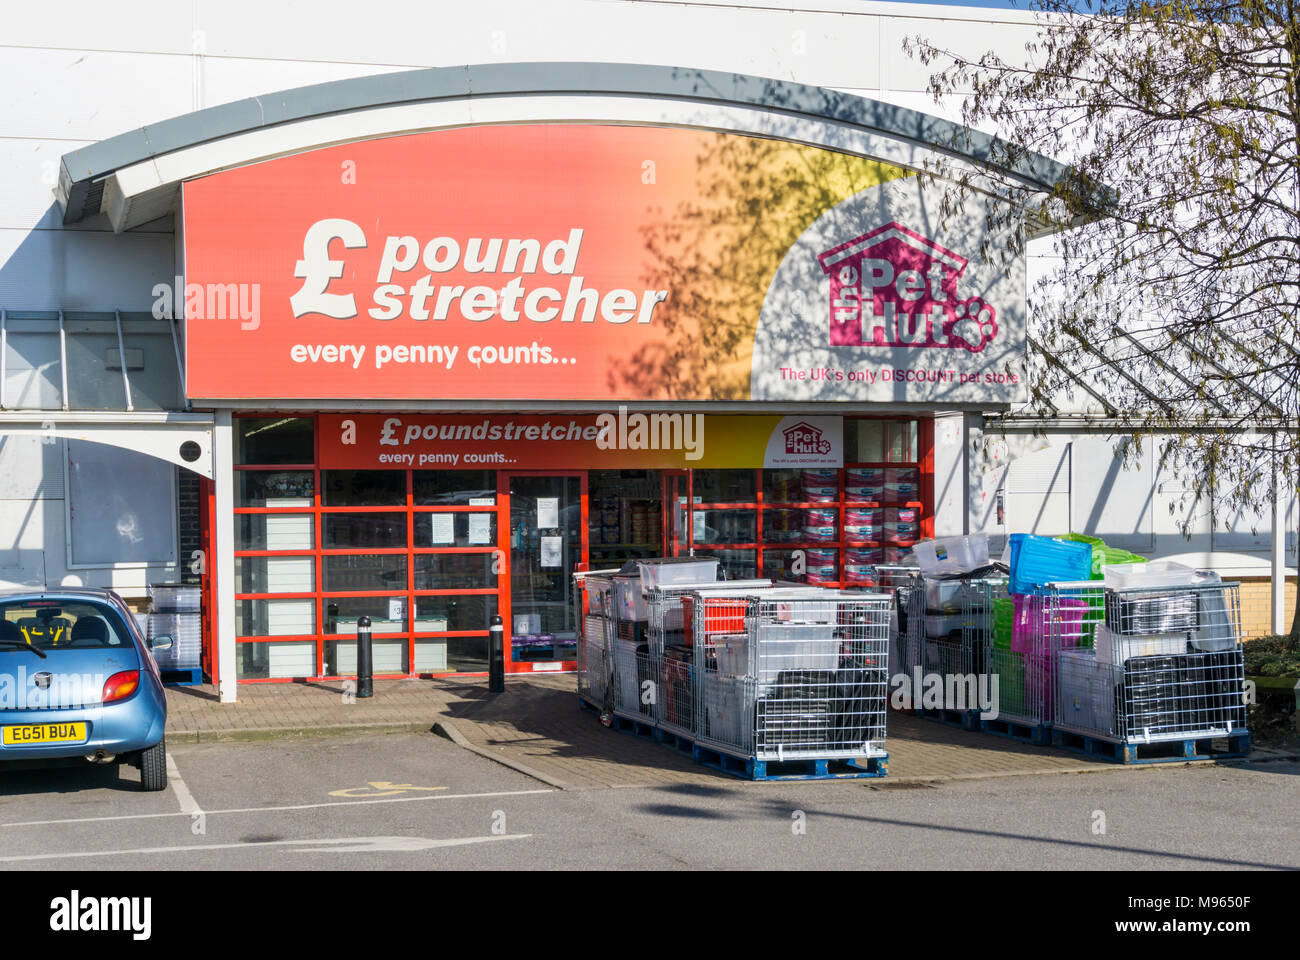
x=365, y=659
x=497, y=656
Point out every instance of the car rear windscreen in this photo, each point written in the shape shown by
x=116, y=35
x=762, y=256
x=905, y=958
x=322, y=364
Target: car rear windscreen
x=62, y=625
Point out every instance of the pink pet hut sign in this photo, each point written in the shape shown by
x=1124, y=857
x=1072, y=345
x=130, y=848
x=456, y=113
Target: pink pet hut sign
x=893, y=287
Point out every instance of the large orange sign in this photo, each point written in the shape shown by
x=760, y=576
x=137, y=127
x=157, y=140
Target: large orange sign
x=520, y=262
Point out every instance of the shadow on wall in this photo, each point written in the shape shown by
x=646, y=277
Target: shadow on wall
x=31, y=510
x=85, y=266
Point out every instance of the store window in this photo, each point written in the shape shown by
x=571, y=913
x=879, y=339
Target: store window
x=316, y=550
x=825, y=526
x=428, y=555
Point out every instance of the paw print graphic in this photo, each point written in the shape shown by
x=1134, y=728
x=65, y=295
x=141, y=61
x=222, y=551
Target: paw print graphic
x=974, y=327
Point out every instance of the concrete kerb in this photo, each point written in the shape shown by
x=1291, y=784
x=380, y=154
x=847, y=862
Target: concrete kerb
x=294, y=733
x=448, y=729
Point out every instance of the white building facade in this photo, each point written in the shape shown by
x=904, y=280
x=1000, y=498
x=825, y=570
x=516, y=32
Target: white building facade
x=120, y=464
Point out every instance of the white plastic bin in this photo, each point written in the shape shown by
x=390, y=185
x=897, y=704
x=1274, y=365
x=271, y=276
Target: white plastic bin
x=629, y=603
x=796, y=646
x=1215, y=629
x=1116, y=647
x=945, y=596
x=1087, y=692
x=732, y=651
x=1155, y=573
x=953, y=554
x=674, y=570
x=942, y=625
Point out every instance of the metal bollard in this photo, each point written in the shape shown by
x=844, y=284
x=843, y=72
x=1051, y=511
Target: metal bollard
x=365, y=659
x=497, y=656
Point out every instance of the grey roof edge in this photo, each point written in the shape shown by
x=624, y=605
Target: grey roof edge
x=83, y=168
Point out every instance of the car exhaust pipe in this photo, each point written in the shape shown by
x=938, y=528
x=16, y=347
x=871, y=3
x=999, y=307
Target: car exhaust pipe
x=101, y=756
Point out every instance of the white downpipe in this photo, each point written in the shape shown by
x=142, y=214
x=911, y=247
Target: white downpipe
x=222, y=566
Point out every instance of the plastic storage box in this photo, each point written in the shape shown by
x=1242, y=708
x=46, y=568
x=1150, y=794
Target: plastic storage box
x=1036, y=561
x=1154, y=573
x=953, y=554
x=629, y=603
x=940, y=625
x=1087, y=698
x=1134, y=614
x=1116, y=647
x=673, y=570
x=945, y=596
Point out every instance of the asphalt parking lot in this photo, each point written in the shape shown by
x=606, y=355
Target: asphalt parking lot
x=417, y=801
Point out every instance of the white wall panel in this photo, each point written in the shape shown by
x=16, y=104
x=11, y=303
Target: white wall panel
x=30, y=469
x=31, y=170
x=154, y=26
x=901, y=72
x=949, y=469
x=832, y=49
x=88, y=95
x=1111, y=499
x=82, y=269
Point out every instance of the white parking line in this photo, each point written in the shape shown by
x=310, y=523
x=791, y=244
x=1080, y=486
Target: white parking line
x=332, y=845
x=183, y=795
x=298, y=806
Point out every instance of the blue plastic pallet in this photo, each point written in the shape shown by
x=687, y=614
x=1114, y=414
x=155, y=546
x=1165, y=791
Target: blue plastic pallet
x=674, y=741
x=748, y=768
x=966, y=719
x=1022, y=730
x=637, y=726
x=181, y=678
x=1160, y=751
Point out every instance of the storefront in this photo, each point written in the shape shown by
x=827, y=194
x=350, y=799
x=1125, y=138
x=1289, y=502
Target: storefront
x=332, y=524
x=457, y=347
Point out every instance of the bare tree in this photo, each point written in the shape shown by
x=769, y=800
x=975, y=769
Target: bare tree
x=1177, y=237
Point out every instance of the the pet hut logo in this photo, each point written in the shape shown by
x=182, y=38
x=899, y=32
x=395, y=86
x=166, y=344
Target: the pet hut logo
x=893, y=287
x=804, y=439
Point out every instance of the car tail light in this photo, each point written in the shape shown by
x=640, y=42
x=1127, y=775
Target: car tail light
x=121, y=685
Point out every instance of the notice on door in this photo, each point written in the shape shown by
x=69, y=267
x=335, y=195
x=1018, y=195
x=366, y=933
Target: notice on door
x=444, y=528
x=548, y=513
x=552, y=551
x=480, y=528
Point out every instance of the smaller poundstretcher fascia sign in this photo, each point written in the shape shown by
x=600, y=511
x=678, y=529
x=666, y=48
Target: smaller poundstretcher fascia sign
x=556, y=262
x=615, y=440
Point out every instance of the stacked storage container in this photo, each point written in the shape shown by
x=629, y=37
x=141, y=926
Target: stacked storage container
x=175, y=611
x=745, y=674
x=1166, y=664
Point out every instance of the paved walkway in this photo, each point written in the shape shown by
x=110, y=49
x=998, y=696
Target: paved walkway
x=536, y=727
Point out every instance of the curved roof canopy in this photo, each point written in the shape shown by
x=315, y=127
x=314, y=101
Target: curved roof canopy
x=134, y=177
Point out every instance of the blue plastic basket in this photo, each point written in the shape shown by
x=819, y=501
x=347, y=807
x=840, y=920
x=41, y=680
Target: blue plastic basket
x=1039, y=560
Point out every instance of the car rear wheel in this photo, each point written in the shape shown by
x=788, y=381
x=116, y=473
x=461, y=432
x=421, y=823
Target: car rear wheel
x=153, y=767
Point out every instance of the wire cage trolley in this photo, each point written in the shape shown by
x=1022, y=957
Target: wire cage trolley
x=791, y=676
x=1149, y=673
x=668, y=662
x=595, y=614
x=900, y=583
x=952, y=627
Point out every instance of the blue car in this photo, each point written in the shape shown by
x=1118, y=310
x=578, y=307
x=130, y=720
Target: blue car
x=77, y=680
